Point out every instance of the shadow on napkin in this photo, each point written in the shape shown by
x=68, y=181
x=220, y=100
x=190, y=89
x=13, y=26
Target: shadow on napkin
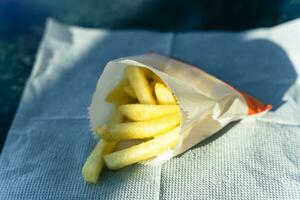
x=256, y=66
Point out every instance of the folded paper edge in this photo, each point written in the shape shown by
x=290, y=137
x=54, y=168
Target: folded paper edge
x=254, y=105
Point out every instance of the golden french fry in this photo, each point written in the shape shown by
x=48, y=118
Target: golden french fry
x=117, y=91
x=140, y=85
x=163, y=94
x=117, y=95
x=93, y=166
x=143, y=151
x=116, y=116
x=127, y=143
x=139, y=130
x=129, y=90
x=143, y=112
x=100, y=129
x=148, y=73
x=152, y=84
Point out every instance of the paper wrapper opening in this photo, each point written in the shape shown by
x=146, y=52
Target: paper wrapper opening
x=206, y=103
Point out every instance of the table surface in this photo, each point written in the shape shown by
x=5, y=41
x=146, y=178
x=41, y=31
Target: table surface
x=22, y=24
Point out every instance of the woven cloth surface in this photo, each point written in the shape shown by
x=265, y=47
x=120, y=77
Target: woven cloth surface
x=257, y=158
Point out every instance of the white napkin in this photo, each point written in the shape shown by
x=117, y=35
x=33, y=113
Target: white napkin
x=253, y=159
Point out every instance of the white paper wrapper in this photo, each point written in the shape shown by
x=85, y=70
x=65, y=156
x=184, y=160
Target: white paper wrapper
x=206, y=103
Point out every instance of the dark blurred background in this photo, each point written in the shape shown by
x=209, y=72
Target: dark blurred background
x=22, y=23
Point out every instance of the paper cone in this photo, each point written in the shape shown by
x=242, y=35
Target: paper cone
x=206, y=103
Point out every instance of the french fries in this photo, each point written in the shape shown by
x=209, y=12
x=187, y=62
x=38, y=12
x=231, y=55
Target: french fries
x=140, y=85
x=129, y=90
x=94, y=163
x=143, y=112
x=93, y=166
x=141, y=130
x=151, y=75
x=152, y=84
x=143, y=151
x=118, y=94
x=163, y=94
x=116, y=117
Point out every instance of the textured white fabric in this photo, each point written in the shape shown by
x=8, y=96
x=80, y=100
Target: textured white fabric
x=257, y=158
